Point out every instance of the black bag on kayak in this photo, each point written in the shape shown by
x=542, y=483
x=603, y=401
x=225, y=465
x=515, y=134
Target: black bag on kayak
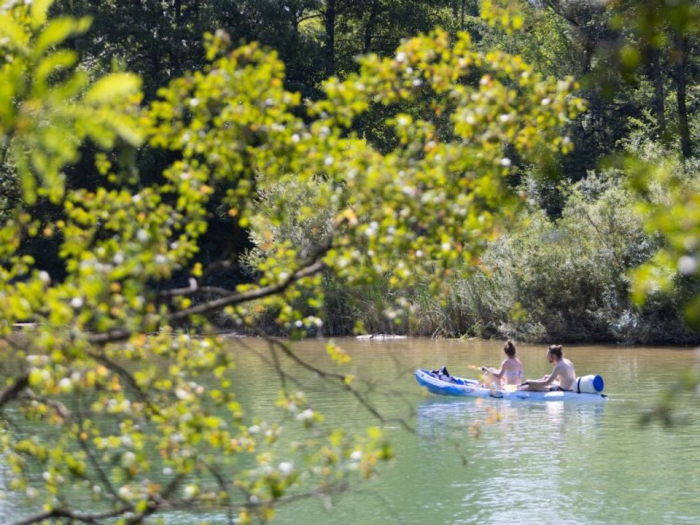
x=442, y=374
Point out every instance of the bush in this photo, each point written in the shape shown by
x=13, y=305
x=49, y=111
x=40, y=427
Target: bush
x=565, y=280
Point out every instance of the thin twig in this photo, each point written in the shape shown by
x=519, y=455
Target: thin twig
x=157, y=501
x=223, y=486
x=341, y=379
x=195, y=289
x=101, y=474
x=121, y=371
x=57, y=406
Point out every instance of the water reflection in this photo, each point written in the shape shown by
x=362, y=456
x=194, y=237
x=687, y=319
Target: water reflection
x=531, y=452
x=552, y=462
x=438, y=416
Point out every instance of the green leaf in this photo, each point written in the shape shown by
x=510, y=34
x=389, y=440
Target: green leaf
x=116, y=85
x=17, y=37
x=63, y=59
x=39, y=12
x=57, y=31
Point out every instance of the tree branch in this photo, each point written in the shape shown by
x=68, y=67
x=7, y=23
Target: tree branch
x=71, y=515
x=557, y=11
x=121, y=371
x=252, y=295
x=309, y=17
x=57, y=406
x=112, y=336
x=310, y=268
x=195, y=289
x=157, y=501
x=12, y=392
x=223, y=486
x=93, y=460
x=341, y=379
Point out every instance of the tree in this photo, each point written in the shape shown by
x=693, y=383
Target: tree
x=661, y=29
x=103, y=393
x=160, y=41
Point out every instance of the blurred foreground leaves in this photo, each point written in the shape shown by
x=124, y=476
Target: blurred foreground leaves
x=128, y=400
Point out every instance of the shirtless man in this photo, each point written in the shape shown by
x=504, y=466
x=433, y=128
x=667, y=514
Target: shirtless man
x=563, y=375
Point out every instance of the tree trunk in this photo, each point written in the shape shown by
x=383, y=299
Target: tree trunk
x=464, y=7
x=330, y=38
x=681, y=61
x=174, y=50
x=658, y=94
x=371, y=24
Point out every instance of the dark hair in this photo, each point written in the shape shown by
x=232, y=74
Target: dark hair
x=555, y=350
x=509, y=348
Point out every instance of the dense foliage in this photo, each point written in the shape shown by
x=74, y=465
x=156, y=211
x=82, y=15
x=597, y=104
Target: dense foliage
x=634, y=60
x=635, y=64
x=110, y=376
x=154, y=183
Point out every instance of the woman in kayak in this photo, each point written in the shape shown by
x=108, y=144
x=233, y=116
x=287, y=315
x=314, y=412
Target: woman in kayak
x=511, y=372
x=563, y=374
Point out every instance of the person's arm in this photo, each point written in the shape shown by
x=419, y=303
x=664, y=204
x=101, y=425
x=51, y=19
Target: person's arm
x=498, y=374
x=546, y=380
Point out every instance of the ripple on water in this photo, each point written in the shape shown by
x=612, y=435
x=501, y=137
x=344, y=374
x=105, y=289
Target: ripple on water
x=541, y=463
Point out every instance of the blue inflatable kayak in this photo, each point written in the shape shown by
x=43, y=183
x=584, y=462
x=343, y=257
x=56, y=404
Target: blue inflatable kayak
x=461, y=387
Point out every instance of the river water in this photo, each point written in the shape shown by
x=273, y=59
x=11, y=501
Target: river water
x=541, y=462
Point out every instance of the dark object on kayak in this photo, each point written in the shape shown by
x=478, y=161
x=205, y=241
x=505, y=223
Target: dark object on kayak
x=442, y=374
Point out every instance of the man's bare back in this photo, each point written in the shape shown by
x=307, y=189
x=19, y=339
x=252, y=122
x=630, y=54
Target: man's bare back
x=563, y=375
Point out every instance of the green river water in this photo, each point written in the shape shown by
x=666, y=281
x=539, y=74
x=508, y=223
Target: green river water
x=542, y=463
